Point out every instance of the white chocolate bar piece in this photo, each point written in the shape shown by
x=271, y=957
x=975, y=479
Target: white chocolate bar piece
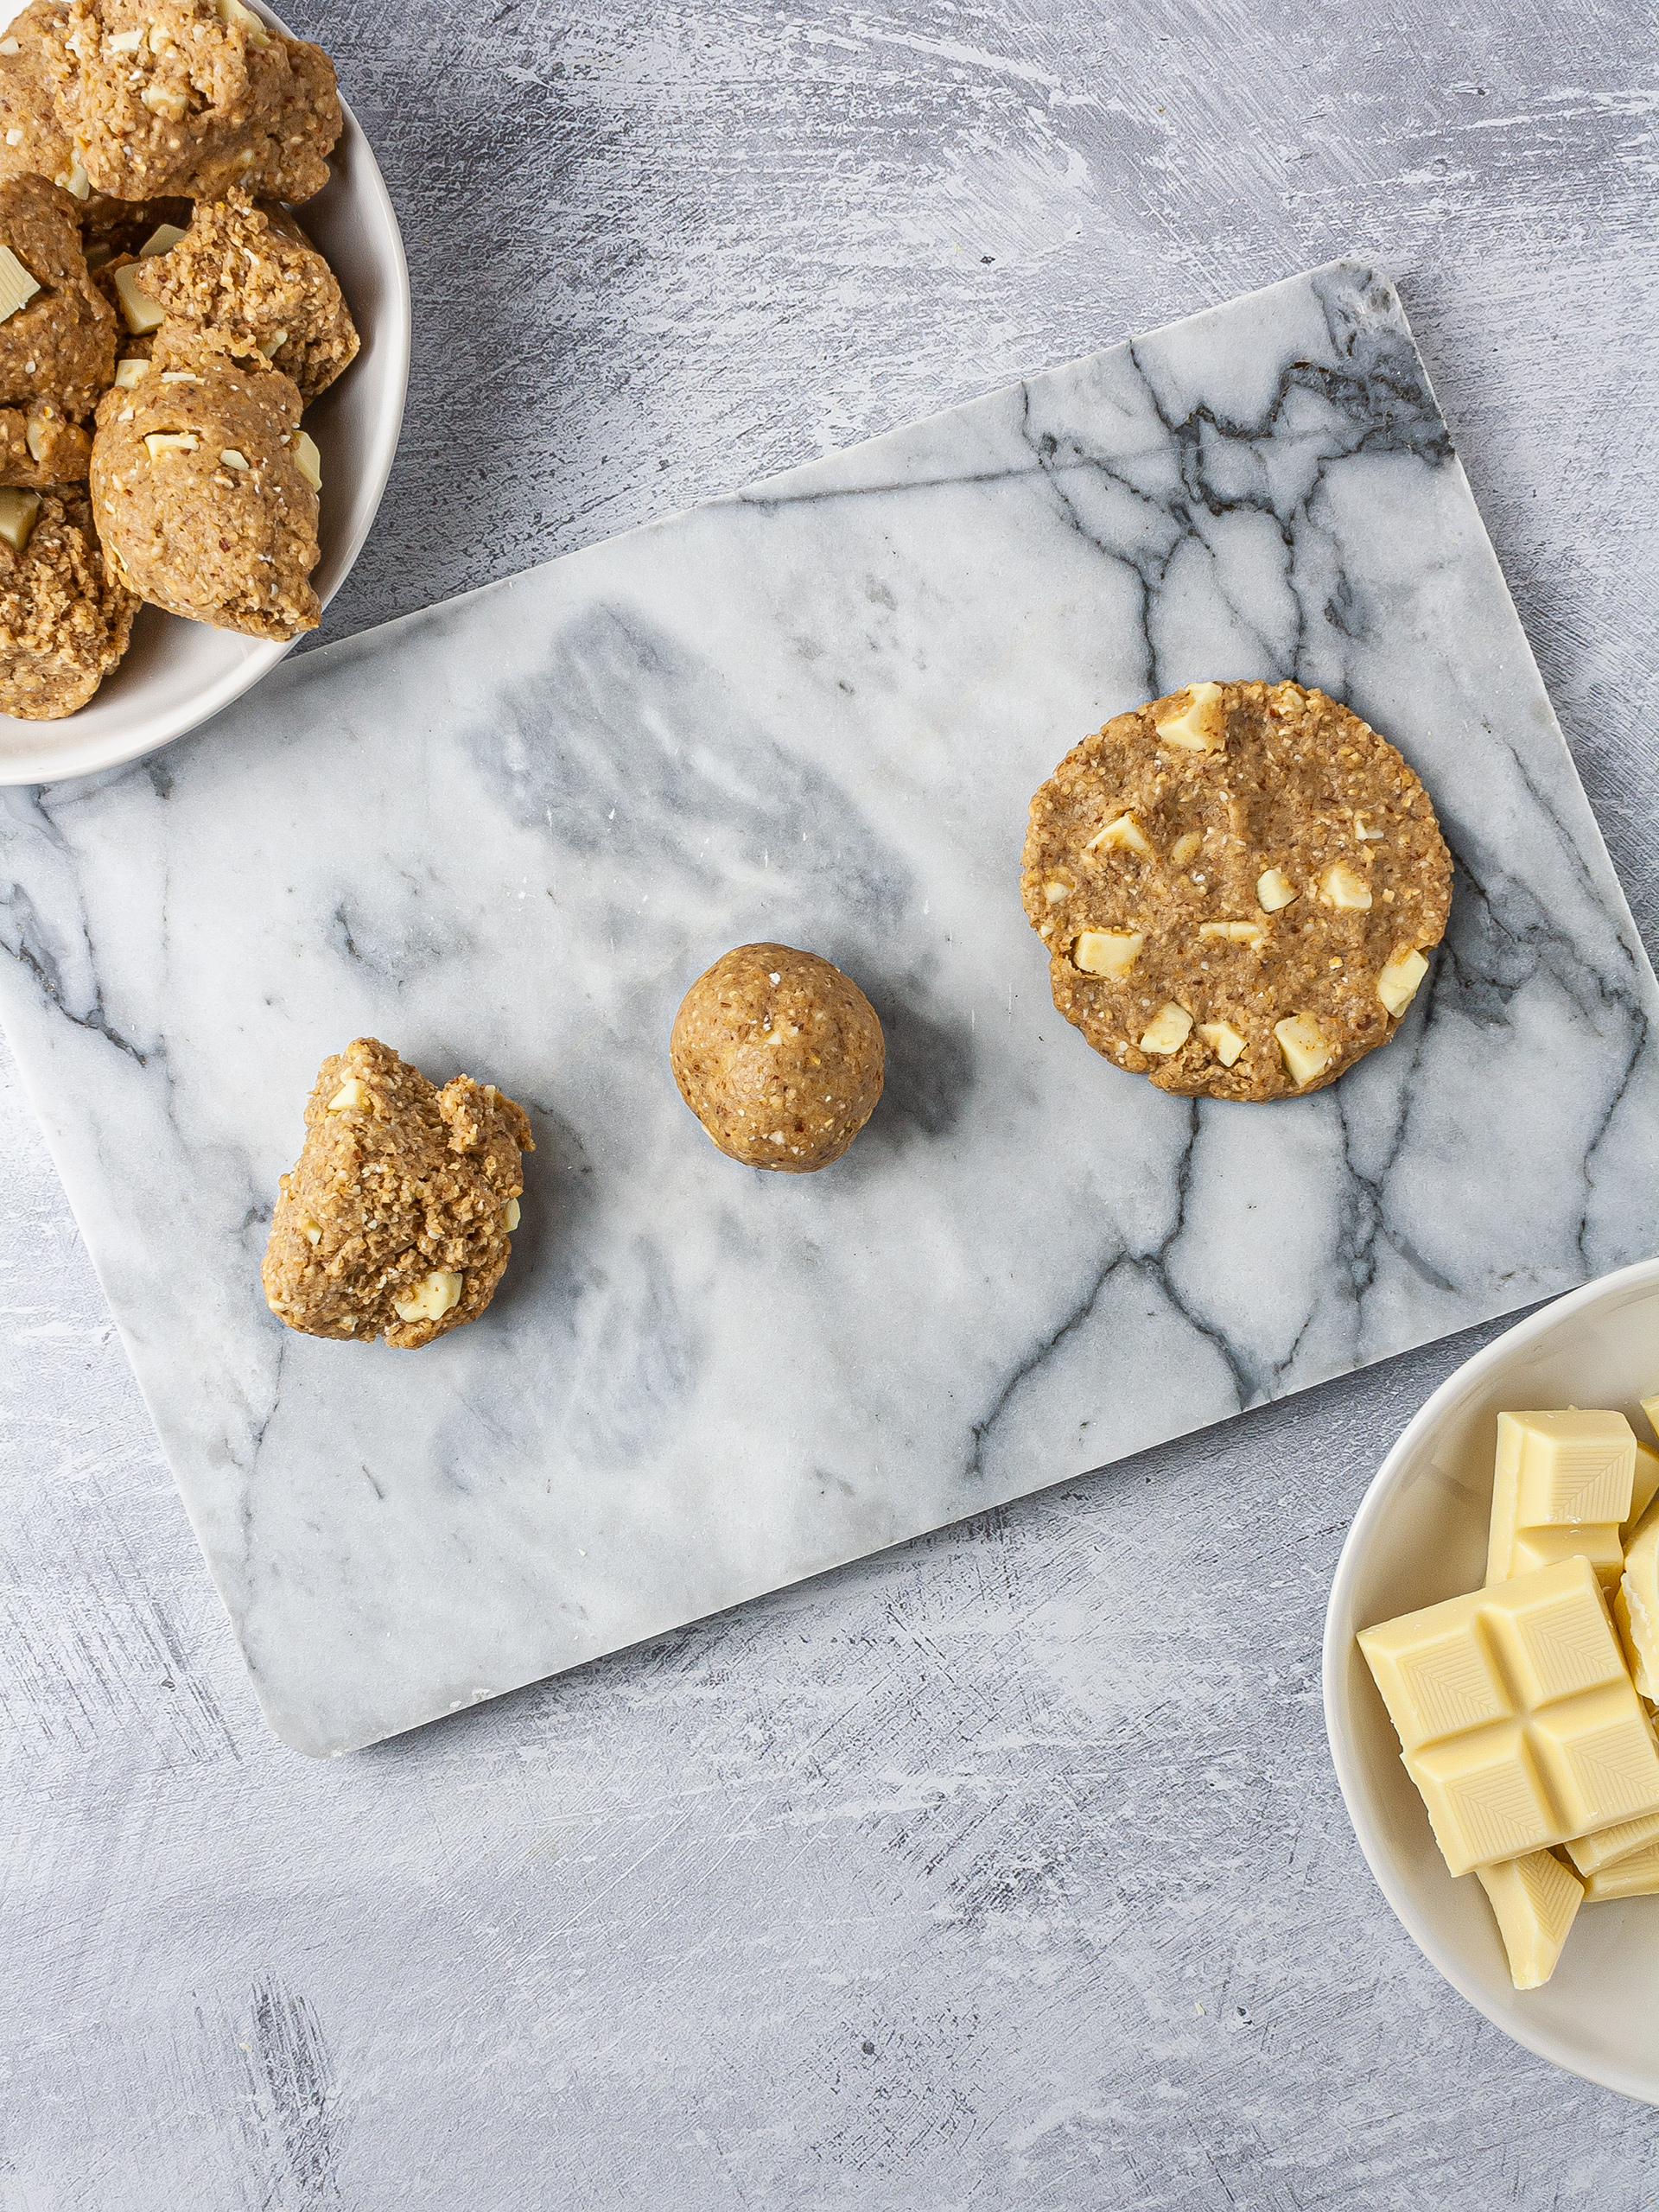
x=1635, y=1877
x=1561, y=1489
x=1516, y=1715
x=1636, y=1606
x=1535, y=1900
x=1590, y=1853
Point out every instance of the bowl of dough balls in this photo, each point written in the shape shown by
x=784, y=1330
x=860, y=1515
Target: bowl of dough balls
x=204, y=351
x=1491, y=1658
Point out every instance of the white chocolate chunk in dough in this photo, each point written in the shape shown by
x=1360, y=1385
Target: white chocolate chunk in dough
x=18, y=514
x=1275, y=889
x=129, y=373
x=1340, y=888
x=165, y=442
x=351, y=1093
x=1223, y=1040
x=1125, y=832
x=1397, y=984
x=232, y=11
x=513, y=1216
x=431, y=1298
x=1197, y=726
x=17, y=287
x=1535, y=1900
x=309, y=461
x=1107, y=952
x=1168, y=1030
x=1251, y=933
x=1056, y=893
x=1308, y=1052
x=143, y=313
x=162, y=239
x=1186, y=848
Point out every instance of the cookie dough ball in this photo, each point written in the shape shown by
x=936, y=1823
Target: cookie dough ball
x=184, y=96
x=779, y=1056
x=397, y=1219
x=33, y=143
x=1237, y=884
x=199, y=486
x=64, y=619
x=249, y=279
x=57, y=342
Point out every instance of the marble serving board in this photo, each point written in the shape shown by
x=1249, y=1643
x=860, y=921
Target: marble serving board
x=504, y=835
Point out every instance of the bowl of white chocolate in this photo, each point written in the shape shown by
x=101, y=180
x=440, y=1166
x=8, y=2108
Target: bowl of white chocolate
x=1491, y=1657
x=204, y=349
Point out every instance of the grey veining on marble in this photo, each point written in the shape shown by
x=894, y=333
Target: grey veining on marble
x=505, y=834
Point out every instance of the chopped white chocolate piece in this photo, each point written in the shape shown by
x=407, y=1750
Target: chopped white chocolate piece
x=1635, y=1608
x=1186, y=848
x=1340, y=888
x=1168, y=1030
x=1126, y=832
x=18, y=513
x=167, y=100
x=143, y=313
x=1397, y=986
x=1251, y=933
x=1308, y=1051
x=14, y=137
x=129, y=373
x=309, y=461
x=1644, y=1485
x=1275, y=889
x=1635, y=1877
x=163, y=441
x=10, y=45
x=431, y=1298
x=75, y=179
x=1590, y=1853
x=1056, y=892
x=124, y=42
x=36, y=432
x=272, y=346
x=1107, y=952
x=1534, y=1900
x=351, y=1093
x=233, y=459
x=1197, y=726
x=1561, y=1488
x=1516, y=1716
x=17, y=287
x=232, y=11
x=513, y=1216
x=162, y=239
x=1223, y=1040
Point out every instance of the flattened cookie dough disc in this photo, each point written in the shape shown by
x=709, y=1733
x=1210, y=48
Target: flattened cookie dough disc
x=398, y=1218
x=1238, y=886
x=779, y=1056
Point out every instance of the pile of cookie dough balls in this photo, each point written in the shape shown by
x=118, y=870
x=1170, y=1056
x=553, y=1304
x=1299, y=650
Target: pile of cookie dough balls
x=164, y=322
x=779, y=1056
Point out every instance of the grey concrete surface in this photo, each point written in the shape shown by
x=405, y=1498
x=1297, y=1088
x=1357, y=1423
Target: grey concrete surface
x=1007, y=1869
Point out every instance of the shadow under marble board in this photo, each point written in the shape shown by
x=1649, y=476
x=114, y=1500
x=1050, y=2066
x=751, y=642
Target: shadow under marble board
x=504, y=835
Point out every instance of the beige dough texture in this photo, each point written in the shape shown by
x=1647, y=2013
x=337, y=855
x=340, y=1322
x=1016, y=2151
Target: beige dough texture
x=200, y=501
x=64, y=619
x=1237, y=884
x=398, y=1218
x=42, y=146
x=779, y=1056
x=57, y=351
x=197, y=101
x=246, y=278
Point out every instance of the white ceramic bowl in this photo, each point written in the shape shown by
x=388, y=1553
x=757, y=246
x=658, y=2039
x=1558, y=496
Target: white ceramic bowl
x=176, y=673
x=1420, y=1536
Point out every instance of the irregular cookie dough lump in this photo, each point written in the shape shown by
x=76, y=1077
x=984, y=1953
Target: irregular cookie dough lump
x=397, y=1220
x=187, y=97
x=64, y=619
x=249, y=279
x=779, y=1056
x=57, y=336
x=205, y=489
x=33, y=143
x=1237, y=884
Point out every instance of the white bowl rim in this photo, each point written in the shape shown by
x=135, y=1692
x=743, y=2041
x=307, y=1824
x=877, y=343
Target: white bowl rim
x=51, y=762
x=1339, y=1633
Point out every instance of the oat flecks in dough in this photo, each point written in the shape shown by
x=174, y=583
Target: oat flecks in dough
x=396, y=1220
x=205, y=99
x=1293, y=873
x=779, y=1056
x=57, y=351
x=249, y=280
x=233, y=547
x=64, y=619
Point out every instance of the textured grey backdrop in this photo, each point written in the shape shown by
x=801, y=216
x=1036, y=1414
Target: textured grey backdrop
x=1006, y=1870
